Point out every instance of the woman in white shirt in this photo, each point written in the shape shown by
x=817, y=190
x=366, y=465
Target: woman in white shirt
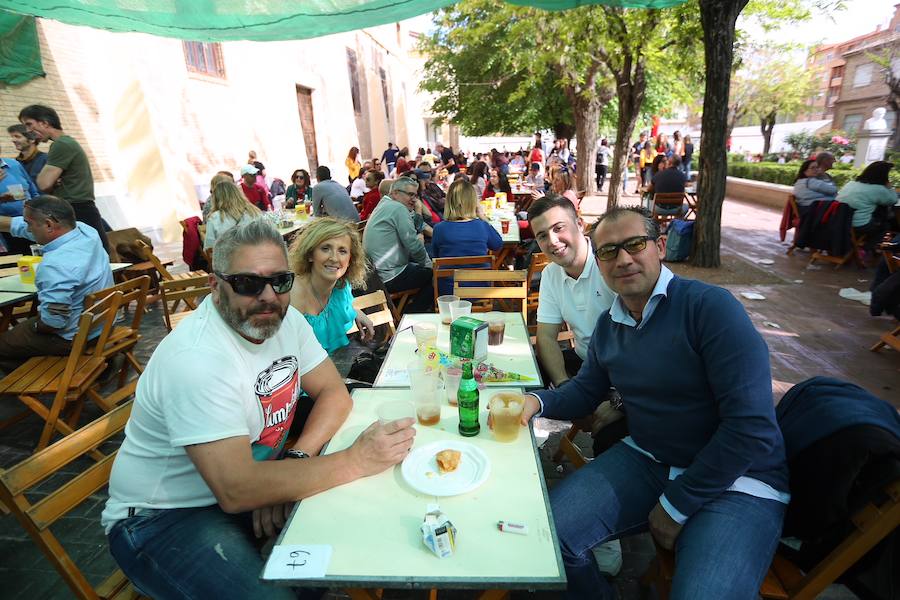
x=230, y=207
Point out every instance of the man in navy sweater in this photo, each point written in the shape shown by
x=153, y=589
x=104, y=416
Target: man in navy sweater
x=704, y=467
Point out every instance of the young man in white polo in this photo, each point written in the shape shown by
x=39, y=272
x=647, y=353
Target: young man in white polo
x=572, y=291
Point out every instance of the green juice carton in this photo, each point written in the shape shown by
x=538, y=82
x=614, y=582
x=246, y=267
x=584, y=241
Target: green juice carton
x=469, y=338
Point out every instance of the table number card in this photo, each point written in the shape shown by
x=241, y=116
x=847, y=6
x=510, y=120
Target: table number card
x=297, y=562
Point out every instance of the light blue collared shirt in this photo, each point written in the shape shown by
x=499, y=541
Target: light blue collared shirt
x=74, y=265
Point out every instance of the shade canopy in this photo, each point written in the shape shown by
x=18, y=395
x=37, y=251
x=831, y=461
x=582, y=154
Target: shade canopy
x=258, y=20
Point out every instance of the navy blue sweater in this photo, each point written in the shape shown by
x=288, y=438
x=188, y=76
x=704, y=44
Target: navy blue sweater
x=697, y=389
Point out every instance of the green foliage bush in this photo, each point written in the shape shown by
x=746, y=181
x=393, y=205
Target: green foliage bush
x=785, y=174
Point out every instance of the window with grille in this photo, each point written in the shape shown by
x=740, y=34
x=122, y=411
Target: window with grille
x=863, y=75
x=852, y=122
x=205, y=58
x=353, y=70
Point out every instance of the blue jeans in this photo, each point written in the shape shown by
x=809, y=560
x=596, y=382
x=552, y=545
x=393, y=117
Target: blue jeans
x=686, y=167
x=192, y=553
x=723, y=551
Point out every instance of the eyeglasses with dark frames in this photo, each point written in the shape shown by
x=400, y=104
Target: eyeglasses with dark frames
x=253, y=285
x=632, y=246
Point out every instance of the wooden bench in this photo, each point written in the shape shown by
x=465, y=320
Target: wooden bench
x=18, y=482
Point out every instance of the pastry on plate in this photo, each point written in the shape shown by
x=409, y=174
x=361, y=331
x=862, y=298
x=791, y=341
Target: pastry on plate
x=448, y=460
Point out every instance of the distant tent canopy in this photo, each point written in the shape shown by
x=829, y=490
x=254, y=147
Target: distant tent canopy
x=257, y=20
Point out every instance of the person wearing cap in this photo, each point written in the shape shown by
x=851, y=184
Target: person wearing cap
x=256, y=194
x=535, y=177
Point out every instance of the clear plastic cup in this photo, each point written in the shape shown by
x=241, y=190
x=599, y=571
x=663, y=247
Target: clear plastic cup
x=444, y=307
x=460, y=308
x=504, y=225
x=395, y=410
x=424, y=387
x=426, y=335
x=17, y=190
x=506, y=415
x=452, y=377
x=496, y=328
x=36, y=250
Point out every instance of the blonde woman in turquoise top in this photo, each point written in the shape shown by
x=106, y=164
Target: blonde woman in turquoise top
x=328, y=260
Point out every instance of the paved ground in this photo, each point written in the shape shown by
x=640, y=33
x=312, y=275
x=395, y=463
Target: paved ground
x=817, y=333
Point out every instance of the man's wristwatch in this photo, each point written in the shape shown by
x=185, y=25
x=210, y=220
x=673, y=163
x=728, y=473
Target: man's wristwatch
x=294, y=453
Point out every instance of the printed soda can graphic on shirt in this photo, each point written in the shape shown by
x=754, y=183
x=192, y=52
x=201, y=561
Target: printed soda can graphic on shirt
x=277, y=389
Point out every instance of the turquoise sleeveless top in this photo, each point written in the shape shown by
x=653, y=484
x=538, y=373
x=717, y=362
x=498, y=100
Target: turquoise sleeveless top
x=330, y=326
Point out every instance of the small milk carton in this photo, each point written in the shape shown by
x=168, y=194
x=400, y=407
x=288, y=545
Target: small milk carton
x=469, y=338
x=28, y=267
x=438, y=533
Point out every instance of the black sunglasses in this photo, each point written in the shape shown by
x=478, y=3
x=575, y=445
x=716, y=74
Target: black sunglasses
x=631, y=246
x=253, y=285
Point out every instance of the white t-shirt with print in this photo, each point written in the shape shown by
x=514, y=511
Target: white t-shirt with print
x=205, y=383
x=578, y=302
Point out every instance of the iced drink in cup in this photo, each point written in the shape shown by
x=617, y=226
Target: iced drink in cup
x=395, y=410
x=444, y=307
x=496, y=328
x=424, y=387
x=504, y=225
x=426, y=335
x=506, y=414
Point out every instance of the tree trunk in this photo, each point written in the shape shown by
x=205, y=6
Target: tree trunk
x=718, y=18
x=631, y=96
x=766, y=126
x=587, y=125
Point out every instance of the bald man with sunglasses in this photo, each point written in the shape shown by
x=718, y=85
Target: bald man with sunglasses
x=205, y=470
x=704, y=466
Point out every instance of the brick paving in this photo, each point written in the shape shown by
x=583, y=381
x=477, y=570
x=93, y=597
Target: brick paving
x=818, y=333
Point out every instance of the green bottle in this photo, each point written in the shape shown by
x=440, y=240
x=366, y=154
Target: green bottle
x=467, y=398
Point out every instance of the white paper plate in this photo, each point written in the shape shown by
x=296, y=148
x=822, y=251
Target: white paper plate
x=420, y=469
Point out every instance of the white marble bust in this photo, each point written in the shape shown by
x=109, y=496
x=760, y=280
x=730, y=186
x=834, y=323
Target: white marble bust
x=877, y=122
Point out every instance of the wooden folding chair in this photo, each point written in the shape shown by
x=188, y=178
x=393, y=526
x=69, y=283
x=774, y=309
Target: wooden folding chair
x=501, y=285
x=66, y=378
x=382, y=316
x=670, y=200
x=539, y=262
x=189, y=290
x=37, y=517
x=124, y=338
x=160, y=266
x=890, y=338
x=442, y=268
x=400, y=300
x=795, y=218
x=208, y=253
x=856, y=246
x=784, y=580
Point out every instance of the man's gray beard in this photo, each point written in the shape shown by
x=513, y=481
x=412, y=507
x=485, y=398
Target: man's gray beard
x=243, y=326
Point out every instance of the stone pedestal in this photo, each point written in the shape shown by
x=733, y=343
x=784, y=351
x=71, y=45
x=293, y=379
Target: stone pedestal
x=870, y=146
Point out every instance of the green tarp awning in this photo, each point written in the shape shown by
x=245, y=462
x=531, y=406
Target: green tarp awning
x=20, y=53
x=259, y=20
